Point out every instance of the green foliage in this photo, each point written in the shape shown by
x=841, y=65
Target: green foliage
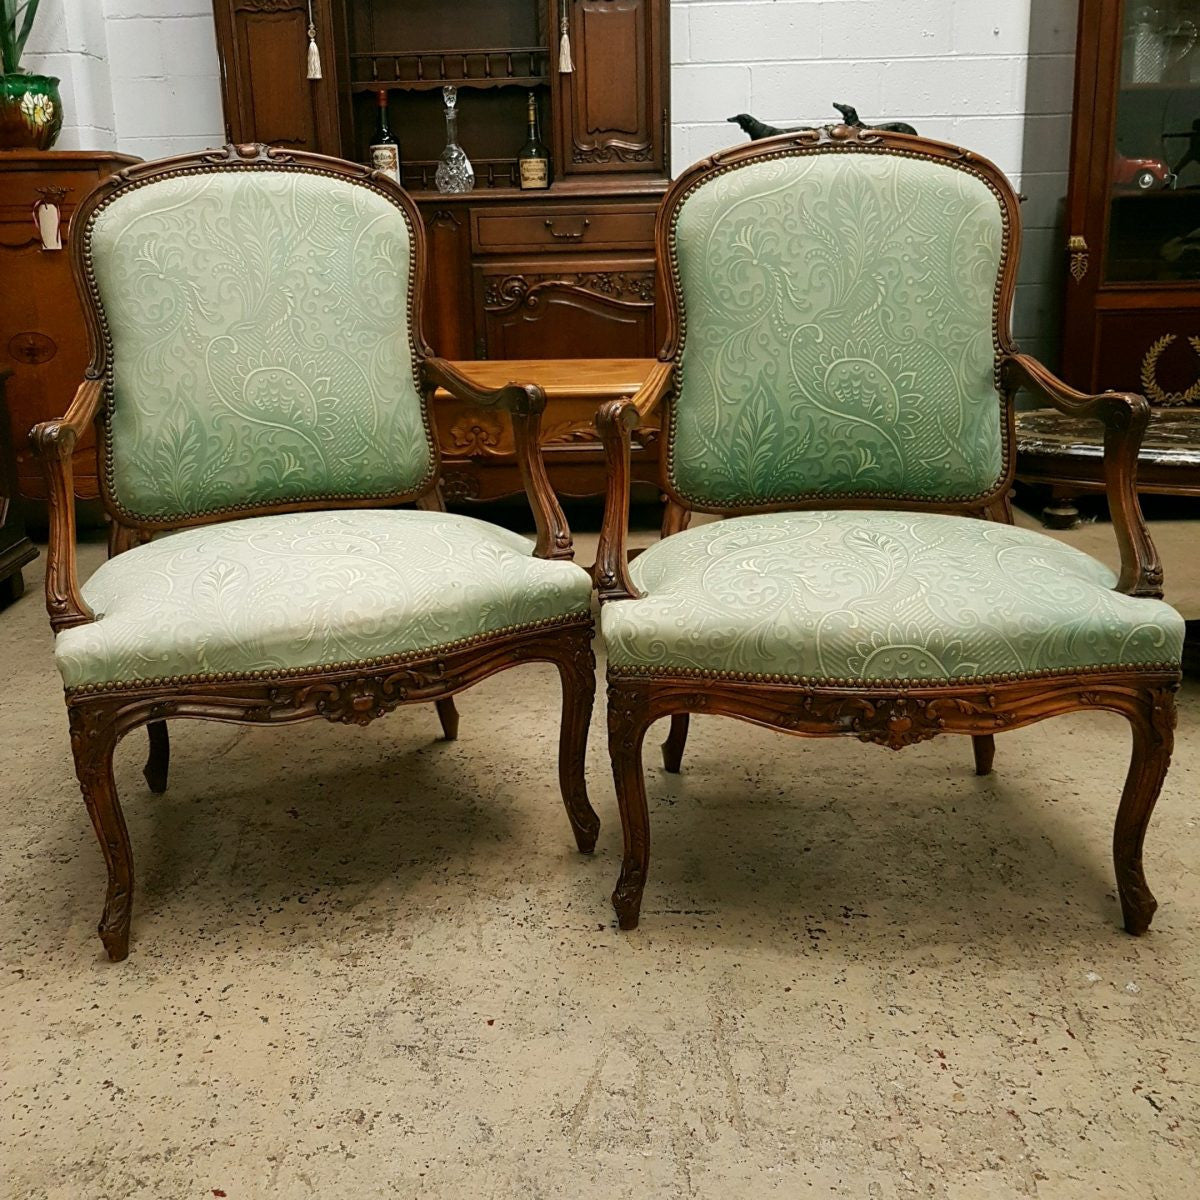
x=16, y=20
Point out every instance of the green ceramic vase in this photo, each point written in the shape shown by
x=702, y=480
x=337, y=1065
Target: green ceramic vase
x=30, y=112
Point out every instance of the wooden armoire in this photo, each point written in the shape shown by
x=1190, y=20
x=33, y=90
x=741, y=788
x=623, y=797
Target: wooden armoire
x=562, y=273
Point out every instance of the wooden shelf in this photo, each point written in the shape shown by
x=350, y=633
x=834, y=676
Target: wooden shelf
x=425, y=70
x=1184, y=85
x=491, y=174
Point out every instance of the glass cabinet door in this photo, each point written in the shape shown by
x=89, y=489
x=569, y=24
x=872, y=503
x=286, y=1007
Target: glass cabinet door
x=1154, y=175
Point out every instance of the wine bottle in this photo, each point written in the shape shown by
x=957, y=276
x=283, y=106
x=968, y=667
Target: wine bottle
x=533, y=162
x=384, y=149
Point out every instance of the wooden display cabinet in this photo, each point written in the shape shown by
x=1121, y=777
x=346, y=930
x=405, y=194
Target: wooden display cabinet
x=560, y=274
x=1132, y=316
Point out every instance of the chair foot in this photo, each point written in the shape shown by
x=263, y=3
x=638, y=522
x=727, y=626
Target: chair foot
x=159, y=759
x=627, y=724
x=93, y=741
x=577, y=670
x=627, y=896
x=1153, y=741
x=984, y=745
x=672, y=748
x=448, y=715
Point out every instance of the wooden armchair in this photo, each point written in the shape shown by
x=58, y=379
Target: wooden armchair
x=837, y=383
x=261, y=388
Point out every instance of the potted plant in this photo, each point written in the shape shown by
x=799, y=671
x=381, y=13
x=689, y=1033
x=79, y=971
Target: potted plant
x=30, y=109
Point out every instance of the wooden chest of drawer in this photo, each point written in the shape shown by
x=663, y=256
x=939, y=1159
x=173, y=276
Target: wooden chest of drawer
x=565, y=227
x=42, y=336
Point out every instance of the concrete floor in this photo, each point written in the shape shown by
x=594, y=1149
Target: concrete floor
x=367, y=964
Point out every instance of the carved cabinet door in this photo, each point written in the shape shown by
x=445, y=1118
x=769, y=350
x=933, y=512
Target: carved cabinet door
x=586, y=308
x=613, y=105
x=263, y=48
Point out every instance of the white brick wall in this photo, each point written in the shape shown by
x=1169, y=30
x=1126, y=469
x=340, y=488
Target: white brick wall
x=996, y=77
x=165, y=76
x=69, y=40
x=145, y=78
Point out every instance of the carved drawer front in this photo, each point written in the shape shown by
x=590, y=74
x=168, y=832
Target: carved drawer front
x=561, y=307
x=1156, y=353
x=21, y=190
x=570, y=227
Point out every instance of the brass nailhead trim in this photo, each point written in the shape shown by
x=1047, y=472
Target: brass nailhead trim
x=681, y=673
x=804, y=497
x=387, y=660
x=97, y=305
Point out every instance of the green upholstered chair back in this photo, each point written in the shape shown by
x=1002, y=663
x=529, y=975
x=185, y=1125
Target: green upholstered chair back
x=256, y=332
x=839, y=315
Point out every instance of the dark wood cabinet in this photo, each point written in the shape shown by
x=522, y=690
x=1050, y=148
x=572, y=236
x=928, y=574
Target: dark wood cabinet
x=264, y=81
x=1132, y=261
x=614, y=115
x=560, y=274
x=43, y=341
x=15, y=547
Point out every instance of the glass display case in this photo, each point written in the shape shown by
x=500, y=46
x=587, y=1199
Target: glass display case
x=1154, y=184
x=1133, y=254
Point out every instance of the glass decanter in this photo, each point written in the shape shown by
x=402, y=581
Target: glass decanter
x=454, y=170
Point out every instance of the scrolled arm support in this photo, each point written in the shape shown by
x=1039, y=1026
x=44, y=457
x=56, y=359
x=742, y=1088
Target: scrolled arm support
x=615, y=421
x=1124, y=416
x=54, y=443
x=525, y=402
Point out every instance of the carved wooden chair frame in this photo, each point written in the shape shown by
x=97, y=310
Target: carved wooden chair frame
x=894, y=717
x=350, y=692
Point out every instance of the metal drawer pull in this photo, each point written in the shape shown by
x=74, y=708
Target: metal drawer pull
x=573, y=236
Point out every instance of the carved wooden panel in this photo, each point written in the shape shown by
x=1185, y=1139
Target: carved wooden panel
x=614, y=114
x=592, y=308
x=263, y=46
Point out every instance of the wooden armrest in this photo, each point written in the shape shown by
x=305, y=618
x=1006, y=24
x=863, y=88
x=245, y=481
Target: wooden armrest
x=54, y=443
x=1124, y=416
x=513, y=397
x=655, y=387
x=526, y=402
x=615, y=421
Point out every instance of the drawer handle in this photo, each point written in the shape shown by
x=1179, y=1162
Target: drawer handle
x=567, y=236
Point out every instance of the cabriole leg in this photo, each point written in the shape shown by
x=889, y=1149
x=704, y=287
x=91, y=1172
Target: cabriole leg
x=93, y=739
x=1153, y=741
x=577, y=670
x=159, y=759
x=626, y=732
x=672, y=748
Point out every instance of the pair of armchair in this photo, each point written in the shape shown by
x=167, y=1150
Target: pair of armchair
x=837, y=383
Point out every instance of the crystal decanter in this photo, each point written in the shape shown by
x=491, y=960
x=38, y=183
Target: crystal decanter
x=454, y=170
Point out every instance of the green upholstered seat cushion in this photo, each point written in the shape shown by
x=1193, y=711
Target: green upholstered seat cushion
x=879, y=596
x=259, y=322
x=839, y=314
x=282, y=593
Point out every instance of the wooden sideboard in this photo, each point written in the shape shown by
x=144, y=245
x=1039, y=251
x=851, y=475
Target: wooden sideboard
x=43, y=341
x=566, y=273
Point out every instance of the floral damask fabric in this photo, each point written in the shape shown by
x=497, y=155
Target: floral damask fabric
x=838, y=331
x=873, y=596
x=259, y=323
x=313, y=589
